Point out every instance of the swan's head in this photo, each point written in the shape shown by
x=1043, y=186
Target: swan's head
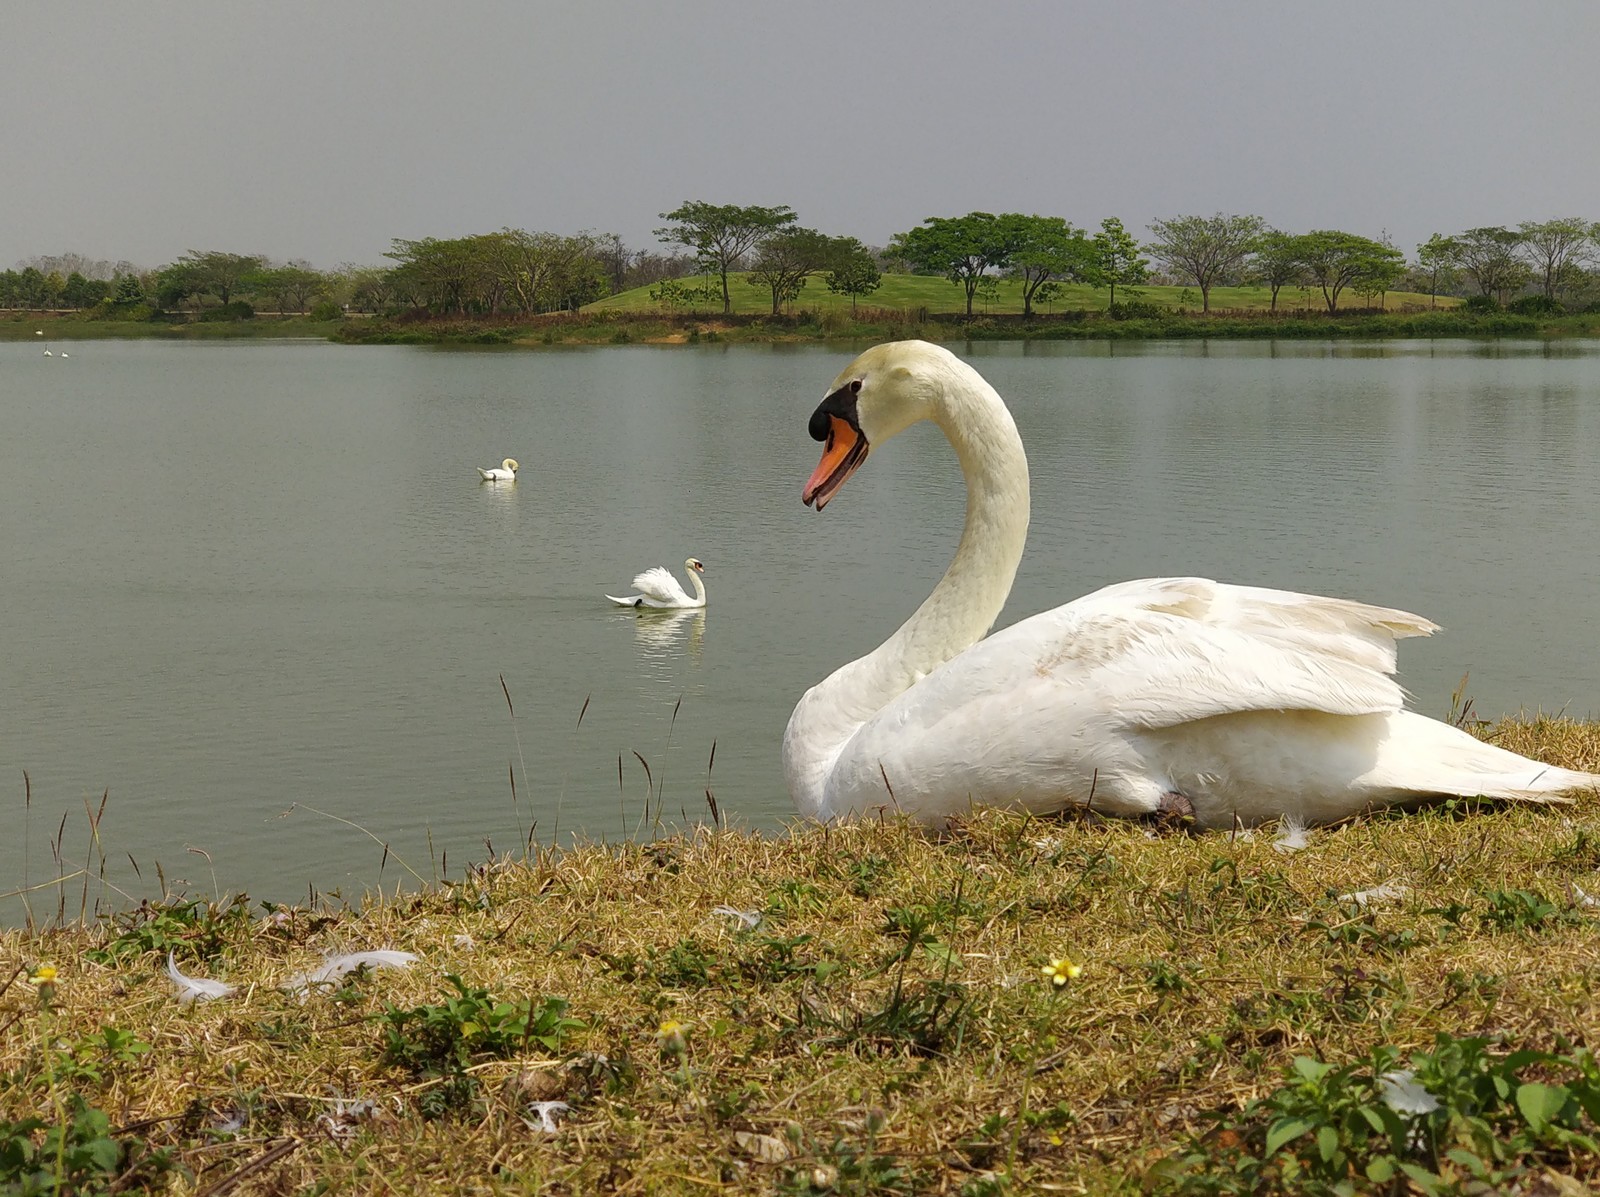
x=884, y=391
x=510, y=463
x=694, y=564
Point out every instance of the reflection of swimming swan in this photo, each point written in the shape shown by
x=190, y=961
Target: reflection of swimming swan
x=1175, y=695
x=658, y=631
x=658, y=588
x=506, y=471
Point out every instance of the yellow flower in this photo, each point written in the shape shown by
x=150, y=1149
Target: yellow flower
x=45, y=974
x=672, y=1037
x=1059, y=972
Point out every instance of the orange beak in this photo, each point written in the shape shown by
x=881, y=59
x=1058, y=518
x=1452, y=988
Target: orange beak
x=842, y=455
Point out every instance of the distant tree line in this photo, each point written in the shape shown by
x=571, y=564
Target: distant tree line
x=1539, y=266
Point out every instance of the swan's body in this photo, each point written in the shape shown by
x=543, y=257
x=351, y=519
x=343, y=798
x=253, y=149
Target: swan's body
x=1168, y=694
x=658, y=588
x=506, y=471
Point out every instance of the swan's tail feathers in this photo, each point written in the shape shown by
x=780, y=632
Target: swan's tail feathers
x=485, y=474
x=632, y=600
x=1427, y=757
x=1534, y=782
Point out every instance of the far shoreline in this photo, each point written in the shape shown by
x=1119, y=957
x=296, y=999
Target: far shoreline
x=607, y=327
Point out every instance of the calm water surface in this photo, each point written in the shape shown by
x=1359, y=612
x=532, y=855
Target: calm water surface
x=244, y=578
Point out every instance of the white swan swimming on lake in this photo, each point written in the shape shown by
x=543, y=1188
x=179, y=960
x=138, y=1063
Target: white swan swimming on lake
x=506, y=471
x=1178, y=696
x=658, y=588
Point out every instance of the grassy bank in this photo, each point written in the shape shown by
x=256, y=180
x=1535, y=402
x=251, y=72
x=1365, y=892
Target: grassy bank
x=622, y=328
x=887, y=1026
x=56, y=327
x=936, y=294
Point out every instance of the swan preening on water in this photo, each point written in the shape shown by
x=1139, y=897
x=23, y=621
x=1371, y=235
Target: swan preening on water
x=506, y=471
x=658, y=588
x=1167, y=695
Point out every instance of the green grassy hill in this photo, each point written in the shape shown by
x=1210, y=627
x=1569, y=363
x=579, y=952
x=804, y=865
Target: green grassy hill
x=913, y=291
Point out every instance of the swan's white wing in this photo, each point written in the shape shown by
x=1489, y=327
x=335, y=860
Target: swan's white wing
x=657, y=583
x=1060, y=704
x=1166, y=651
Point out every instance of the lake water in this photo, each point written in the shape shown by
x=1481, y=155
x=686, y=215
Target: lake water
x=240, y=579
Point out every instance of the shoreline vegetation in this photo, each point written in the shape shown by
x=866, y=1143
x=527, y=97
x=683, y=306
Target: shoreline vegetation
x=609, y=327
x=905, y=306
x=1404, y=1004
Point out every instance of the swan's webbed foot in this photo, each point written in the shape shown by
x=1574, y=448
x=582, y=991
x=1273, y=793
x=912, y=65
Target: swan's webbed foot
x=1174, y=813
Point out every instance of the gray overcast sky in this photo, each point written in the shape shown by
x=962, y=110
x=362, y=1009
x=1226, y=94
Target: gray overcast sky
x=322, y=130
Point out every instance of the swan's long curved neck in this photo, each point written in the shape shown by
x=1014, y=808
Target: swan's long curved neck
x=699, y=588
x=968, y=599
x=962, y=607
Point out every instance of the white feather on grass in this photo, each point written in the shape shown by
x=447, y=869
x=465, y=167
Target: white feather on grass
x=1292, y=835
x=195, y=989
x=748, y=919
x=1404, y=1094
x=1583, y=897
x=547, y=1111
x=1389, y=891
x=335, y=968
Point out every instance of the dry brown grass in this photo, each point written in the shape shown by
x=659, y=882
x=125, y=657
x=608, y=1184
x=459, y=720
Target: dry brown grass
x=885, y=1029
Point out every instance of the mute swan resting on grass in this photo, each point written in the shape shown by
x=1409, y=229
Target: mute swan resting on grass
x=1177, y=696
x=506, y=471
x=658, y=588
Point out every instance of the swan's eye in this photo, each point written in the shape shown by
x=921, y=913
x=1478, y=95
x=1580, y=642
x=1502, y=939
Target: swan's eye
x=855, y=387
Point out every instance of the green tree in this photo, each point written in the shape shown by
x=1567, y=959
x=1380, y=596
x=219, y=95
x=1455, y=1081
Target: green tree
x=292, y=286
x=855, y=271
x=1117, y=259
x=1436, y=262
x=221, y=273
x=445, y=275
x=960, y=248
x=1490, y=258
x=1275, y=261
x=366, y=288
x=1333, y=260
x=31, y=290
x=543, y=271
x=721, y=234
x=178, y=284
x=1207, y=249
x=1556, y=249
x=128, y=292
x=786, y=259
x=1045, y=250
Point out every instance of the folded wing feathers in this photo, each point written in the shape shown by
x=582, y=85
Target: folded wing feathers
x=1179, y=649
x=658, y=584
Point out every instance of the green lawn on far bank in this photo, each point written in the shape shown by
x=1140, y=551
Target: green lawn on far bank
x=938, y=295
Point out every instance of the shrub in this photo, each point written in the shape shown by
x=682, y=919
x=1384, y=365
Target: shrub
x=327, y=310
x=1536, y=305
x=1480, y=304
x=1135, y=310
x=236, y=309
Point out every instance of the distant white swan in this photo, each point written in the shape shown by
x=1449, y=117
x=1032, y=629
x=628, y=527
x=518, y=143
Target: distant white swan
x=658, y=588
x=1180, y=696
x=506, y=471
